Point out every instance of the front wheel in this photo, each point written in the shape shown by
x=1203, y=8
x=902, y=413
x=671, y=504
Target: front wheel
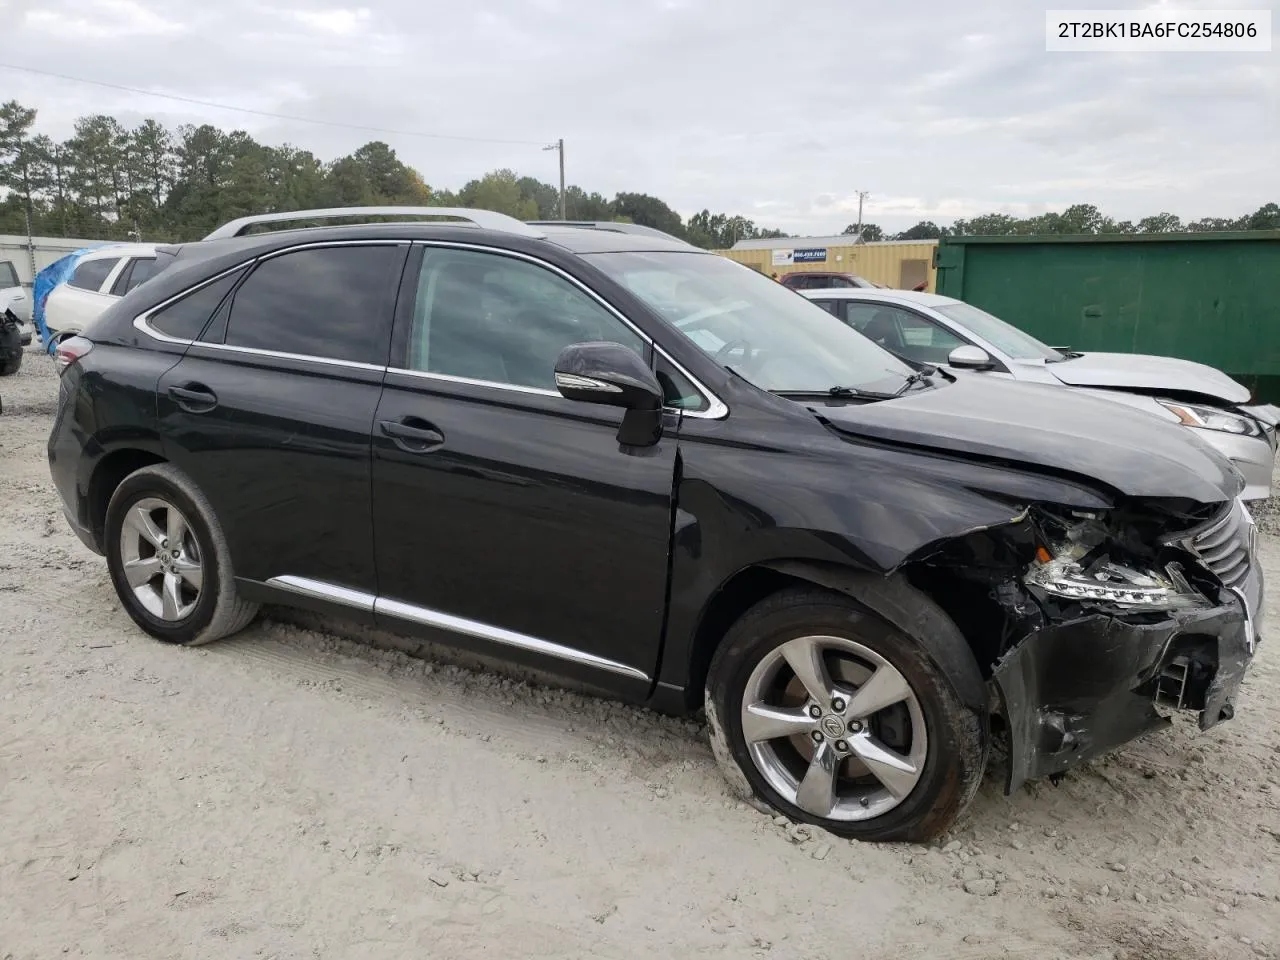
x=835, y=717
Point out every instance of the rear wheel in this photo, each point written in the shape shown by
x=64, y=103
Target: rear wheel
x=169, y=561
x=835, y=717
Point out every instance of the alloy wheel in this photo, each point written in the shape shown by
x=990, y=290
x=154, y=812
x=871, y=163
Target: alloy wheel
x=834, y=728
x=161, y=559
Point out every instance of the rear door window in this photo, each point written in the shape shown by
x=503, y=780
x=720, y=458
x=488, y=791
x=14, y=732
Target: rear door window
x=333, y=303
x=91, y=274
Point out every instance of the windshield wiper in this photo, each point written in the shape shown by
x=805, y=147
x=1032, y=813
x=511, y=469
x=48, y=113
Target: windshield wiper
x=923, y=375
x=838, y=393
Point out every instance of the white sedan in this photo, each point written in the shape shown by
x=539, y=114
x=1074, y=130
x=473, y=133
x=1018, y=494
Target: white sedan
x=101, y=277
x=923, y=328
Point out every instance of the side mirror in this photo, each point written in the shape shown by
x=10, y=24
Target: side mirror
x=969, y=357
x=614, y=376
x=609, y=374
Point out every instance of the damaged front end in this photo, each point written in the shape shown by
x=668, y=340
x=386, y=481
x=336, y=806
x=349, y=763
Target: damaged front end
x=1108, y=623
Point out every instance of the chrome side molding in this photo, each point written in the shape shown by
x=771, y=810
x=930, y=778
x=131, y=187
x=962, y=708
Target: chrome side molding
x=410, y=613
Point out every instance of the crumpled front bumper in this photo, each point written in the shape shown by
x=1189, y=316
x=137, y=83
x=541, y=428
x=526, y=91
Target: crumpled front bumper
x=1075, y=690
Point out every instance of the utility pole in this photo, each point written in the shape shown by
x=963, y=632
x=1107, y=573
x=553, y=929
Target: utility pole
x=558, y=146
x=862, y=195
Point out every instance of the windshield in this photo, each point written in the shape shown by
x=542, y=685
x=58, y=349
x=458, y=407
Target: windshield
x=752, y=325
x=1003, y=336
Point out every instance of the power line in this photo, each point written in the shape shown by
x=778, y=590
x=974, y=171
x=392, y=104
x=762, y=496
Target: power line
x=266, y=113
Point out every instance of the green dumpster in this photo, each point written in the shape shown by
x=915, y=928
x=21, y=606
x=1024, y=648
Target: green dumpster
x=1211, y=297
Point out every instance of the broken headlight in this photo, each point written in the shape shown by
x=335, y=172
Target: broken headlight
x=1079, y=564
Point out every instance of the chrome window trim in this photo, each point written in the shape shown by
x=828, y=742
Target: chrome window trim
x=282, y=355
x=370, y=603
x=471, y=381
x=717, y=409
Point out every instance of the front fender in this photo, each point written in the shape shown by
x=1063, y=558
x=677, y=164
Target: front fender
x=860, y=508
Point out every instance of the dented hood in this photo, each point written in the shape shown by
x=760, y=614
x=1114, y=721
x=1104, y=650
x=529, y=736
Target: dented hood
x=1154, y=375
x=1040, y=426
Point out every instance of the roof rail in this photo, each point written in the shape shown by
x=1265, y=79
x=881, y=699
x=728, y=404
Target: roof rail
x=485, y=219
x=610, y=226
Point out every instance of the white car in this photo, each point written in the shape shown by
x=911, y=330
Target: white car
x=101, y=277
x=14, y=297
x=923, y=328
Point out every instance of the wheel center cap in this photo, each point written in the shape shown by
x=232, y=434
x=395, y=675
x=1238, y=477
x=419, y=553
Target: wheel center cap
x=832, y=726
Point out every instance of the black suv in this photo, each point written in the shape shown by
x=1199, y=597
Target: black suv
x=654, y=471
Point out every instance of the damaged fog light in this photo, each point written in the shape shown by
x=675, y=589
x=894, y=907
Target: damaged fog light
x=1113, y=583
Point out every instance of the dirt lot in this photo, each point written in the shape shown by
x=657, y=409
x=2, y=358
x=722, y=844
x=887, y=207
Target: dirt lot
x=293, y=794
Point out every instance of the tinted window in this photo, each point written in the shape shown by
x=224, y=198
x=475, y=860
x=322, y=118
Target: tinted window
x=122, y=279
x=831, y=306
x=90, y=274
x=488, y=317
x=185, y=318
x=8, y=275
x=331, y=302
x=143, y=270
x=677, y=390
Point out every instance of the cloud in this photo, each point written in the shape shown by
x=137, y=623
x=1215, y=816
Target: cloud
x=100, y=20
x=938, y=110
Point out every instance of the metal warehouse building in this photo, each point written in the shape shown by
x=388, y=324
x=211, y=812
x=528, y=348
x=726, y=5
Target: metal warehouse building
x=895, y=263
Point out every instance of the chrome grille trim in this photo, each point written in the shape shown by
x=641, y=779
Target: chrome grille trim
x=1224, y=545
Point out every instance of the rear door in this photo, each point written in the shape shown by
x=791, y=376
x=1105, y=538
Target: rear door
x=504, y=513
x=270, y=411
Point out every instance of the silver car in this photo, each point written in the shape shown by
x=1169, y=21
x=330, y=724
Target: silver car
x=926, y=328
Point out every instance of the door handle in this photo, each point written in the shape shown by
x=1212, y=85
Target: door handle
x=194, y=397
x=412, y=435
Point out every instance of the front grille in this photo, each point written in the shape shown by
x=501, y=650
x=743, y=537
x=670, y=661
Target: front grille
x=1225, y=546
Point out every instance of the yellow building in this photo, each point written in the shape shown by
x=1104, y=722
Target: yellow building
x=895, y=263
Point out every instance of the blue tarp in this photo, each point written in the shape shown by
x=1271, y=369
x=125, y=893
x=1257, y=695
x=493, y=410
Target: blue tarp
x=51, y=276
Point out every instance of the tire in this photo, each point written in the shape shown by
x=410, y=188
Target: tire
x=11, y=366
x=189, y=614
x=934, y=776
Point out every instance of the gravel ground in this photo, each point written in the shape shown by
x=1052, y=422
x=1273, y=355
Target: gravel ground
x=292, y=793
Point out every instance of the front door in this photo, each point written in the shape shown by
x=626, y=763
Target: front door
x=503, y=512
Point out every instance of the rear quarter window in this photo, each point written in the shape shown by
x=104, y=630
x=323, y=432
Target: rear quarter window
x=185, y=318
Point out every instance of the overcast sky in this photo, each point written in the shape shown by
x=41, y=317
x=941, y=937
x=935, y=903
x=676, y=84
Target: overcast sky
x=781, y=111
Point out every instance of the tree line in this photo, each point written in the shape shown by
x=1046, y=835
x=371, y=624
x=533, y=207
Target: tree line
x=112, y=182
x=1080, y=218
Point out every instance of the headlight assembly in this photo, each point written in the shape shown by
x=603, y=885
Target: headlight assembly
x=1078, y=567
x=1207, y=418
